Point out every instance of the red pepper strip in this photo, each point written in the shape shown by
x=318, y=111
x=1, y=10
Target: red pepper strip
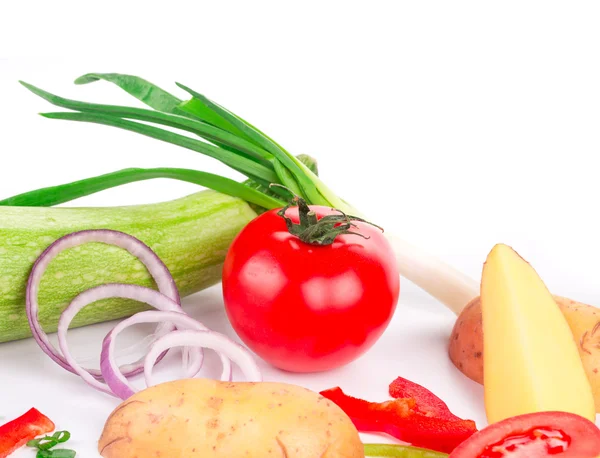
x=400, y=418
x=428, y=403
x=18, y=432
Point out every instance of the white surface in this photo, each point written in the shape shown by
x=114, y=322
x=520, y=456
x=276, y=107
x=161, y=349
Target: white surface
x=455, y=124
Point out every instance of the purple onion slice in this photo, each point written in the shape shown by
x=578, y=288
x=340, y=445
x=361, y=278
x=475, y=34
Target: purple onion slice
x=157, y=269
x=192, y=335
x=204, y=339
x=112, y=290
x=119, y=385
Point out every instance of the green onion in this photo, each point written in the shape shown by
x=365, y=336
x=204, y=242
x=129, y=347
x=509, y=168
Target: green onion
x=238, y=162
x=56, y=195
x=143, y=90
x=191, y=235
x=208, y=132
x=56, y=453
x=62, y=436
x=46, y=443
x=43, y=443
x=400, y=451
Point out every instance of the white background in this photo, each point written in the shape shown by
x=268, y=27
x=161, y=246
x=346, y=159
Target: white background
x=455, y=124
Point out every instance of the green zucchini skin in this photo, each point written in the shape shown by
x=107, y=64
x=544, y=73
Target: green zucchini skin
x=191, y=235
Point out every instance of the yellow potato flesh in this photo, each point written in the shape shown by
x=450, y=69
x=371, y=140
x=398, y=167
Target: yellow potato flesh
x=531, y=361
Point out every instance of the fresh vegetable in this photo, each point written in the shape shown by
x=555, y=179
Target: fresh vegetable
x=47, y=442
x=404, y=419
x=194, y=334
x=118, y=383
x=191, y=335
x=531, y=361
x=584, y=323
x=466, y=340
x=45, y=446
x=205, y=339
x=213, y=419
x=400, y=451
x=536, y=435
x=58, y=453
x=190, y=235
x=312, y=296
x=18, y=432
x=156, y=268
x=427, y=403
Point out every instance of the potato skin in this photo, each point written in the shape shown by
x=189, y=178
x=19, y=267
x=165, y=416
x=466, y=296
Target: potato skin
x=466, y=341
x=211, y=419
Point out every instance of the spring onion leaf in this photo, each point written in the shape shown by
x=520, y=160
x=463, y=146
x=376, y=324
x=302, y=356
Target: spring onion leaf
x=55, y=195
x=315, y=190
x=57, y=438
x=44, y=443
x=322, y=188
x=278, y=191
x=47, y=445
x=199, y=109
x=287, y=179
x=143, y=90
x=400, y=451
x=56, y=453
x=203, y=108
x=203, y=130
x=310, y=163
x=237, y=162
x=62, y=436
x=235, y=142
x=307, y=186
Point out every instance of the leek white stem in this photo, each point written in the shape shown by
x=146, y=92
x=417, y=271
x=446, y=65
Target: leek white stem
x=451, y=287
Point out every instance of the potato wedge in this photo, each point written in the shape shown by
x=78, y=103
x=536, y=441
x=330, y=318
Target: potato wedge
x=466, y=341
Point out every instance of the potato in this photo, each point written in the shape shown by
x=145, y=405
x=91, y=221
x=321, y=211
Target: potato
x=211, y=419
x=466, y=340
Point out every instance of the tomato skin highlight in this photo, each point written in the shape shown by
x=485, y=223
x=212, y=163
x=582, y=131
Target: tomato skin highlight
x=308, y=308
x=536, y=435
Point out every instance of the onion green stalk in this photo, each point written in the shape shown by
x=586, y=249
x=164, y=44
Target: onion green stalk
x=191, y=234
x=400, y=451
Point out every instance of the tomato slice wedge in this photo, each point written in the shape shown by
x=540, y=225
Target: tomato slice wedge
x=536, y=435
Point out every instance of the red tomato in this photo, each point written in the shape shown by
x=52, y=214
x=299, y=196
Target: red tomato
x=308, y=308
x=535, y=435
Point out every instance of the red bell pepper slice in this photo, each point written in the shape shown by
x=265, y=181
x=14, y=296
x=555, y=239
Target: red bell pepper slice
x=427, y=403
x=18, y=432
x=402, y=419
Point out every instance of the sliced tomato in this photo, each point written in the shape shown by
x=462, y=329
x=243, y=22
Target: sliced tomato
x=537, y=435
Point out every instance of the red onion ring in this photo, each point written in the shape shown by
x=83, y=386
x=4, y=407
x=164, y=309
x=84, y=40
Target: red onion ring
x=125, y=291
x=205, y=339
x=119, y=385
x=157, y=269
x=170, y=314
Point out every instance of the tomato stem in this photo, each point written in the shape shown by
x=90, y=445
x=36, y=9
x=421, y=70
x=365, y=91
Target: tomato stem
x=322, y=231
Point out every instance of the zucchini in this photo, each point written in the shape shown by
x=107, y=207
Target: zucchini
x=191, y=235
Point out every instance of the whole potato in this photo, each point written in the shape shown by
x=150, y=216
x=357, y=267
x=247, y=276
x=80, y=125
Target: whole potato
x=211, y=419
